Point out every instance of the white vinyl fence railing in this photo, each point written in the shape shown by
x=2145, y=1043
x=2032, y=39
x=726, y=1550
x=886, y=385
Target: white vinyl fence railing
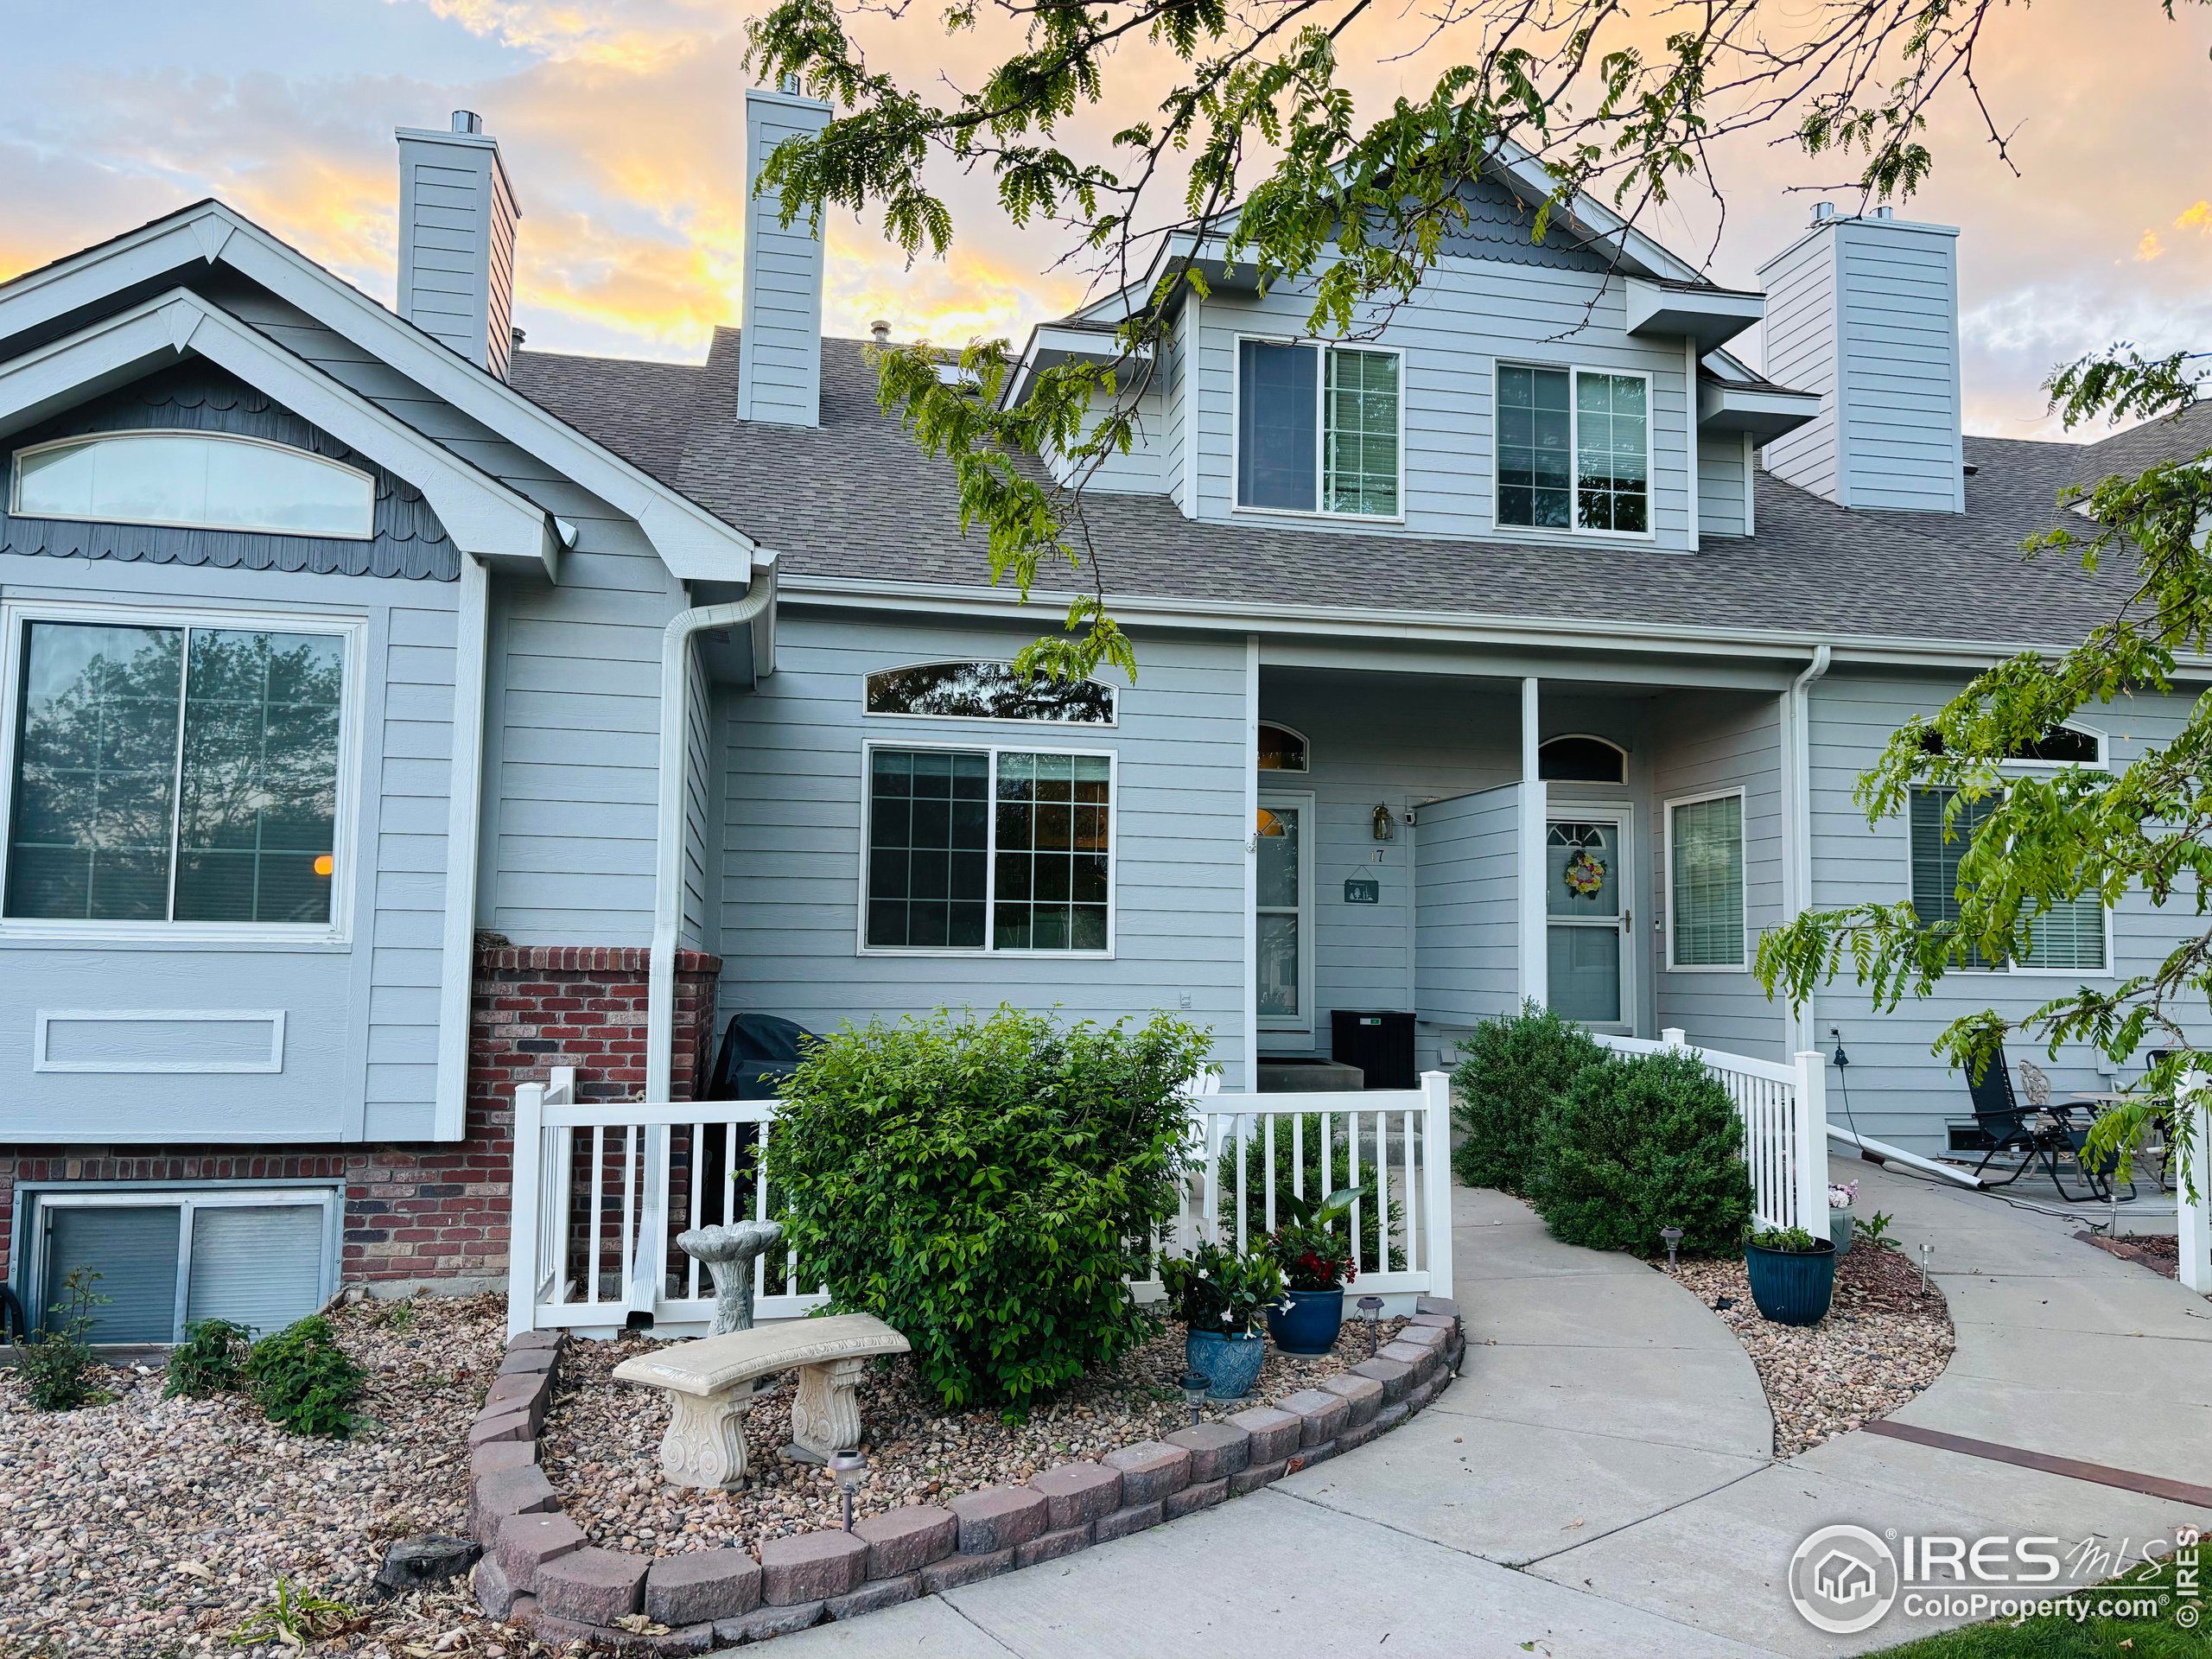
x=1785, y=1117
x=600, y=1192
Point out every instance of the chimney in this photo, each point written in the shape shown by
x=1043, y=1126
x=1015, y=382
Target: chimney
x=1865, y=312
x=457, y=217
x=779, y=342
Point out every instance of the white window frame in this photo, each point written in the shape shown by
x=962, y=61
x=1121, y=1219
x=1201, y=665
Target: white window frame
x=35, y=1200
x=2040, y=769
x=16, y=484
x=989, y=947
x=1744, y=874
x=1113, y=702
x=1305, y=771
x=1620, y=782
x=1301, y=802
x=1320, y=428
x=352, y=631
x=1574, y=371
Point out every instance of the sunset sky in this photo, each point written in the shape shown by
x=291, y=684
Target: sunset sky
x=622, y=125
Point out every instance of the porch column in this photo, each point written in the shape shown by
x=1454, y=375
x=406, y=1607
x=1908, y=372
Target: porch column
x=1251, y=1023
x=1536, y=979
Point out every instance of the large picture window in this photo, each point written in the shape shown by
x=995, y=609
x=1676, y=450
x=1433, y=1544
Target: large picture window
x=1317, y=429
x=988, y=850
x=197, y=480
x=2070, y=938
x=1704, y=881
x=175, y=773
x=1574, y=450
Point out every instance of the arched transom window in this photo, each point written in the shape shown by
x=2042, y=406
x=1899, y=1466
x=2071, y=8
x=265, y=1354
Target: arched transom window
x=1580, y=759
x=987, y=691
x=199, y=481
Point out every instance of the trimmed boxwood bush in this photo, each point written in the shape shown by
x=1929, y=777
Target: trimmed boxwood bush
x=1509, y=1073
x=1635, y=1145
x=985, y=1185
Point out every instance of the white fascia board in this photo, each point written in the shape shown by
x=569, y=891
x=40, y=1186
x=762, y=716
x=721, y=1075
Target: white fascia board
x=1566, y=635
x=1766, y=412
x=1051, y=345
x=692, y=542
x=484, y=517
x=1711, y=316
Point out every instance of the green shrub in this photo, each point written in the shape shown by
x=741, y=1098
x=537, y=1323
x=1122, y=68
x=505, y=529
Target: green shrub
x=56, y=1361
x=1306, y=1147
x=1640, y=1144
x=1795, y=1241
x=304, y=1382
x=210, y=1358
x=985, y=1185
x=1509, y=1071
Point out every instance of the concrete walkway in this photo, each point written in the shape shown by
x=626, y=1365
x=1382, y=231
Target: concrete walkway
x=1599, y=1480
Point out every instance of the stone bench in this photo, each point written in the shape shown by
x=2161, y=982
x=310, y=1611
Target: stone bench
x=709, y=1386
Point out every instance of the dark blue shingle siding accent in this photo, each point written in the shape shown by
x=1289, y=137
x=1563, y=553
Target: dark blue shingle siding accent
x=410, y=543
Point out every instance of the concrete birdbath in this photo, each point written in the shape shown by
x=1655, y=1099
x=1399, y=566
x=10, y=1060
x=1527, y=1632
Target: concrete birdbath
x=727, y=1253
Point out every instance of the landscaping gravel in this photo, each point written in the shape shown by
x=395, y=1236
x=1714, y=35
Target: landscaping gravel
x=147, y=1528
x=601, y=1443
x=1883, y=1341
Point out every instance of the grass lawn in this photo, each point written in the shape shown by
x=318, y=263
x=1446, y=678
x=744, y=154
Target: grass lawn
x=2159, y=1637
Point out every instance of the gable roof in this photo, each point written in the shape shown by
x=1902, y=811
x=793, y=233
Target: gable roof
x=60, y=296
x=858, y=506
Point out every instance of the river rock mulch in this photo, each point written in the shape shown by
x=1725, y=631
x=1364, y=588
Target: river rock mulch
x=602, y=1442
x=1883, y=1341
x=153, y=1528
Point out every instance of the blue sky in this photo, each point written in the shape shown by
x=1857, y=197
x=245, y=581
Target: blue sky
x=622, y=126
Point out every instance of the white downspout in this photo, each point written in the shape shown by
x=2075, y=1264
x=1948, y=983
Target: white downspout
x=464, y=821
x=1797, y=811
x=668, y=865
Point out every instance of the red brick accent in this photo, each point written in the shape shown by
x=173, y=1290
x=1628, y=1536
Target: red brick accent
x=438, y=1209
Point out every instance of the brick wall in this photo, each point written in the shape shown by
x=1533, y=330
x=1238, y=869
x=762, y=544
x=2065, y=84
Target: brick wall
x=425, y=1212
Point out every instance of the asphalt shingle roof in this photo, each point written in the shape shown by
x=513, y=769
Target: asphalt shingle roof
x=855, y=499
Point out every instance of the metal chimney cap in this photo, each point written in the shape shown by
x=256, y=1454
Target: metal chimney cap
x=1822, y=212
x=467, y=121
x=881, y=330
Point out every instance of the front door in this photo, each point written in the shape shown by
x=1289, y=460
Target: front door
x=1587, y=918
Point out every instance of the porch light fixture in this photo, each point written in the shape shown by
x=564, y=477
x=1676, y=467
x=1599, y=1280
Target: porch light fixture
x=1371, y=1309
x=1195, y=1384
x=1386, y=825
x=849, y=1469
x=1673, y=1237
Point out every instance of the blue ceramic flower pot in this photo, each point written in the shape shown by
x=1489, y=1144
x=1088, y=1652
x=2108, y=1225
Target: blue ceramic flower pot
x=1308, y=1327
x=1792, y=1287
x=1232, y=1363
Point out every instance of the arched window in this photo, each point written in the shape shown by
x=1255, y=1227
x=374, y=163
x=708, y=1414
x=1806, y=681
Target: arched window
x=202, y=480
x=987, y=691
x=1282, y=749
x=1580, y=759
x=2062, y=746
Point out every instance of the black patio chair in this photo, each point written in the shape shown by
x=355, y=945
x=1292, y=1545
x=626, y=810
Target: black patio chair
x=2035, y=1133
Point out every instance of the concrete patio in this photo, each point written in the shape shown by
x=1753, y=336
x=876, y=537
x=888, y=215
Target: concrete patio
x=1598, y=1481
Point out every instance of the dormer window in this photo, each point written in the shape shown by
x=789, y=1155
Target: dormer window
x=1574, y=450
x=1317, y=429
x=198, y=480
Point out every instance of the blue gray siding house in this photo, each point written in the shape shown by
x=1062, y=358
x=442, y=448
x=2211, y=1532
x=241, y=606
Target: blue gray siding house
x=1524, y=645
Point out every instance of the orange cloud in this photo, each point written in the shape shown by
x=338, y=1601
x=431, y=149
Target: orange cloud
x=2150, y=247
x=2198, y=218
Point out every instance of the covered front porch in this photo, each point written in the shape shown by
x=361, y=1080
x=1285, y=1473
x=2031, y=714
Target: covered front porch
x=1609, y=843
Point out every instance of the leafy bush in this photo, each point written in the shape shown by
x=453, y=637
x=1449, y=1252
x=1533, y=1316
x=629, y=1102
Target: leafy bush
x=1217, y=1288
x=304, y=1382
x=1793, y=1241
x=986, y=1185
x=1640, y=1144
x=1314, y=1251
x=212, y=1357
x=1511, y=1070
x=56, y=1362
x=1304, y=1146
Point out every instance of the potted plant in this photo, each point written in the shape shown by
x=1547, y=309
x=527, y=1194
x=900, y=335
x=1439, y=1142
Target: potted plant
x=1219, y=1294
x=1841, y=1195
x=1316, y=1262
x=1792, y=1275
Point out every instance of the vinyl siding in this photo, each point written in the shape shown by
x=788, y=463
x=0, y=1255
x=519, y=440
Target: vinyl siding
x=791, y=836
x=1801, y=335
x=360, y=1041
x=1467, y=315
x=1703, y=743
x=779, y=353
x=1898, y=1092
x=1143, y=470
x=1722, y=486
x=1899, y=413
x=1467, y=857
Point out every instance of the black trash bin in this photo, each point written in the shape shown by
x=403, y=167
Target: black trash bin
x=1378, y=1041
x=758, y=1052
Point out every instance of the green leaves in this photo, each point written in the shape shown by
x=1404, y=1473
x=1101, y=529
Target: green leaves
x=304, y=1382
x=986, y=1185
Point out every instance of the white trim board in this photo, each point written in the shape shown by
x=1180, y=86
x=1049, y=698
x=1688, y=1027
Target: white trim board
x=44, y=1019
